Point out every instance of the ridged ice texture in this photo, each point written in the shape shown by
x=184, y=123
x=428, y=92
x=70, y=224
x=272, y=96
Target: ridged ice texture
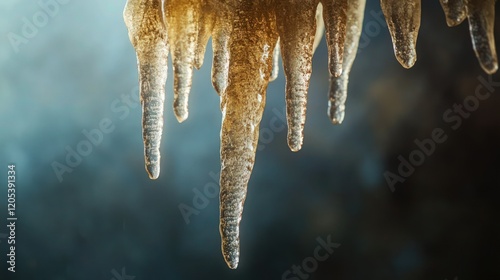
x=253, y=39
x=220, y=38
x=206, y=18
x=403, y=20
x=338, y=85
x=335, y=18
x=182, y=18
x=296, y=22
x=148, y=34
x=247, y=39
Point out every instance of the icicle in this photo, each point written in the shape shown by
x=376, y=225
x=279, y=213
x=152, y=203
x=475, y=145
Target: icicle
x=454, y=11
x=144, y=20
x=253, y=39
x=335, y=16
x=338, y=85
x=481, y=14
x=276, y=58
x=206, y=20
x=296, y=22
x=403, y=20
x=182, y=19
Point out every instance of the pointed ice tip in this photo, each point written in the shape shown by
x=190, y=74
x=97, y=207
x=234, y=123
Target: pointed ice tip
x=490, y=69
x=407, y=61
x=153, y=171
x=336, y=115
x=452, y=22
x=232, y=261
x=336, y=121
x=181, y=114
x=294, y=146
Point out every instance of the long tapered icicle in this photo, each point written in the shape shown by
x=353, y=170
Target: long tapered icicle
x=296, y=22
x=403, y=20
x=253, y=39
x=338, y=85
x=147, y=32
x=481, y=14
x=454, y=11
x=335, y=17
x=182, y=19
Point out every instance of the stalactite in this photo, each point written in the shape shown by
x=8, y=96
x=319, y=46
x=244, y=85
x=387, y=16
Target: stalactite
x=247, y=39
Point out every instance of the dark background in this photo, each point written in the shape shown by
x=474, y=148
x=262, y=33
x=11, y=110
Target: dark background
x=105, y=215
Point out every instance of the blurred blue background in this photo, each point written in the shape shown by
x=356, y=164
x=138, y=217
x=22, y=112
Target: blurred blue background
x=106, y=220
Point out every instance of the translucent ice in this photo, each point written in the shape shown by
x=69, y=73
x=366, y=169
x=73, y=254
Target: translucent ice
x=338, y=85
x=148, y=34
x=247, y=39
x=454, y=11
x=403, y=20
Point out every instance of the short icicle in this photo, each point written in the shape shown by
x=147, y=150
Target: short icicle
x=220, y=39
x=296, y=22
x=335, y=17
x=403, y=20
x=206, y=19
x=182, y=20
x=454, y=11
x=338, y=85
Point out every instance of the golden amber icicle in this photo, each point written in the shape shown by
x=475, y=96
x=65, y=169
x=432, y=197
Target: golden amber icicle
x=454, y=11
x=220, y=39
x=403, y=20
x=206, y=21
x=335, y=17
x=253, y=39
x=182, y=25
x=296, y=22
x=338, y=85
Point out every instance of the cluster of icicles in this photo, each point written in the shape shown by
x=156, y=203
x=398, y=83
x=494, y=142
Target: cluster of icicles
x=247, y=38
